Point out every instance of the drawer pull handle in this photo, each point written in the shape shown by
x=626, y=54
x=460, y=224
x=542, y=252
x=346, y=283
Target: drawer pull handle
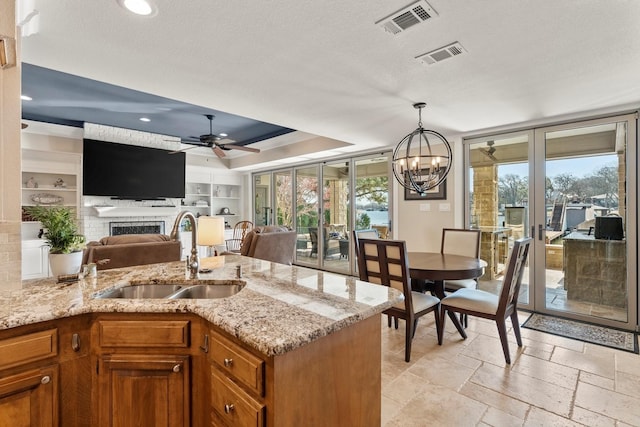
x=205, y=346
x=176, y=368
x=229, y=408
x=75, y=342
x=45, y=380
x=228, y=362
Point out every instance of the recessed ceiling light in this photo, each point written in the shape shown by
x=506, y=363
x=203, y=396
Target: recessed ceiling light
x=145, y=119
x=139, y=7
x=223, y=135
x=26, y=98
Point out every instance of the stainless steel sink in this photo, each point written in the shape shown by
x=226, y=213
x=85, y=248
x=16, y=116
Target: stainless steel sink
x=199, y=289
x=140, y=291
x=208, y=291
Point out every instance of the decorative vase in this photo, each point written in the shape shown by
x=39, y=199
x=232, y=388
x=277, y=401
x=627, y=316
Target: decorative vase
x=61, y=264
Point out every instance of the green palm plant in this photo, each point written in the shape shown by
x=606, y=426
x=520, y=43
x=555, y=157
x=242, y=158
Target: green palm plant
x=60, y=228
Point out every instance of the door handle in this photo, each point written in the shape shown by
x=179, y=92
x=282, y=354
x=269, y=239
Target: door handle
x=540, y=232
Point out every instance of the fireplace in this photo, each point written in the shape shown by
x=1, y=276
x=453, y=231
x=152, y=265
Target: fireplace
x=136, y=227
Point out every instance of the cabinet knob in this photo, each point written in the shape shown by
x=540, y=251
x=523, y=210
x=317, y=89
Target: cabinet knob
x=228, y=362
x=229, y=408
x=47, y=379
x=176, y=368
x=75, y=342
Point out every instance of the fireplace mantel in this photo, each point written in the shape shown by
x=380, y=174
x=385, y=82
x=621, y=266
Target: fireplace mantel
x=128, y=211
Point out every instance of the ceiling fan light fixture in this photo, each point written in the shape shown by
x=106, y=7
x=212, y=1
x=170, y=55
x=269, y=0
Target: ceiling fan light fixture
x=139, y=7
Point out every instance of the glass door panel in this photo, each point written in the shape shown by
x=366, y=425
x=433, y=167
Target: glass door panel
x=262, y=200
x=498, y=202
x=283, y=199
x=307, y=220
x=587, y=238
x=371, y=197
x=335, y=216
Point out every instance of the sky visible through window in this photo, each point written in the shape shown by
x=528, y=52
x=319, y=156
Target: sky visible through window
x=577, y=166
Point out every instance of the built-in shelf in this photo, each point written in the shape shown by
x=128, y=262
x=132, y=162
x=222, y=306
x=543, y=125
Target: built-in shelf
x=116, y=211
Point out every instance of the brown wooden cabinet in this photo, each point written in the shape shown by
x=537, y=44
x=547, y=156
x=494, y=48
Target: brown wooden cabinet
x=141, y=369
x=334, y=380
x=29, y=379
x=144, y=390
x=144, y=367
x=30, y=398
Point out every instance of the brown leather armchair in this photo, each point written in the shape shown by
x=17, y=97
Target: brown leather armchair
x=270, y=243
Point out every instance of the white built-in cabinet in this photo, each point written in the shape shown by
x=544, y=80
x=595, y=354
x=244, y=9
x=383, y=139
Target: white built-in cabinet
x=214, y=194
x=208, y=192
x=51, y=178
x=48, y=178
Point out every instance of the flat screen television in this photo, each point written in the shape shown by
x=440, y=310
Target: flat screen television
x=131, y=172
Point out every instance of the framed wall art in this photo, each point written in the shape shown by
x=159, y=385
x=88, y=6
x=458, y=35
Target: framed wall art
x=437, y=193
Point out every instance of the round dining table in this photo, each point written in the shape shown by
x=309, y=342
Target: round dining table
x=437, y=267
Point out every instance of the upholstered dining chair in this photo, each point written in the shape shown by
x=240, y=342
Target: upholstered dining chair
x=475, y=302
x=385, y=262
x=240, y=230
x=368, y=233
x=457, y=241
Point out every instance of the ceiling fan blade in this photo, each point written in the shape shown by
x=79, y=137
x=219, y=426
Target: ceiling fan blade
x=218, y=151
x=488, y=154
x=185, y=149
x=241, y=148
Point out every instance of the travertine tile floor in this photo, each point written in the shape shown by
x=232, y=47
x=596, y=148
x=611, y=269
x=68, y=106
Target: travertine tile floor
x=552, y=381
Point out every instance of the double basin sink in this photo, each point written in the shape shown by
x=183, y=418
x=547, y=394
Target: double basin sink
x=202, y=289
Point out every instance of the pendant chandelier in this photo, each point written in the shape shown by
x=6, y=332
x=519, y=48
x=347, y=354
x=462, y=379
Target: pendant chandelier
x=422, y=159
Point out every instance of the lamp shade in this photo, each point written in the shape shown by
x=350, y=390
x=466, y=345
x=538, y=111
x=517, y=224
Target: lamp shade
x=210, y=230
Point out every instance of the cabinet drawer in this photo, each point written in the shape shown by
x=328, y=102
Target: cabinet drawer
x=234, y=360
x=28, y=348
x=232, y=405
x=144, y=333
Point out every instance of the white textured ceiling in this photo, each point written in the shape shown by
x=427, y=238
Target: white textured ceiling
x=325, y=68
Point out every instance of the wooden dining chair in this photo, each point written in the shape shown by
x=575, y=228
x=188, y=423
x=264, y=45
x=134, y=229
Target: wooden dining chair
x=458, y=241
x=475, y=302
x=368, y=233
x=385, y=262
x=240, y=230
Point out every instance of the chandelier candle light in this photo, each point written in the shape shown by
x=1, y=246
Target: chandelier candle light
x=415, y=164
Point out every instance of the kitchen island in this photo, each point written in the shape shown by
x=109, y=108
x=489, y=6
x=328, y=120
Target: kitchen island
x=294, y=347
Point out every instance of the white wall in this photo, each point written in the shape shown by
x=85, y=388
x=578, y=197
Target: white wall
x=10, y=111
x=420, y=222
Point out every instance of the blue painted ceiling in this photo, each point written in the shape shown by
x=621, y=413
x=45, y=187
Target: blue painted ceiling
x=70, y=100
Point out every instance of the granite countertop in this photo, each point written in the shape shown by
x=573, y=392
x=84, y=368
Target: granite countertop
x=281, y=307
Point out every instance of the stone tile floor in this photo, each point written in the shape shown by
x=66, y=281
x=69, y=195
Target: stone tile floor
x=552, y=381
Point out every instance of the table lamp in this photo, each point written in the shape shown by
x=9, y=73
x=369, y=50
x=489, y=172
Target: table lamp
x=210, y=232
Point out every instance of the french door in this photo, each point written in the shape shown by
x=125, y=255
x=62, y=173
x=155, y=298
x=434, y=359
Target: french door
x=324, y=202
x=572, y=187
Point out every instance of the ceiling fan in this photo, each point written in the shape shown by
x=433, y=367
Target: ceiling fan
x=489, y=151
x=211, y=140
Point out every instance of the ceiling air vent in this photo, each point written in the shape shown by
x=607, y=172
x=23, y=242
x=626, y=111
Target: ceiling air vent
x=407, y=17
x=441, y=54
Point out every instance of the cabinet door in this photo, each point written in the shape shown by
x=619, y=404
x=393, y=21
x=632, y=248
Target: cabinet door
x=144, y=390
x=35, y=261
x=29, y=399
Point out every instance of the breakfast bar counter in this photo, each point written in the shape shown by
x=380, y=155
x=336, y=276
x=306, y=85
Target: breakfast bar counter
x=281, y=307
x=289, y=346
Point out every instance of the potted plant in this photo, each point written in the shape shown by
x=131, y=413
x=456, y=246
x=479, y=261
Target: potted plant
x=61, y=233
